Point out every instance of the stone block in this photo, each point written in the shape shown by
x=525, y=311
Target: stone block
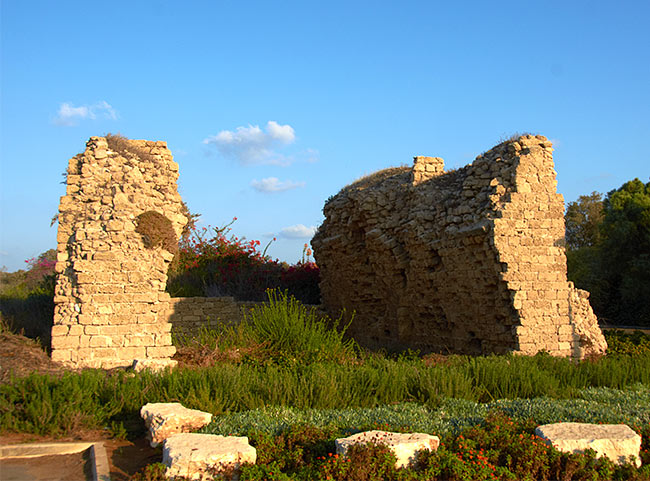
x=61, y=355
x=100, y=341
x=616, y=441
x=165, y=419
x=200, y=456
x=404, y=445
x=158, y=352
x=155, y=365
x=65, y=342
x=59, y=330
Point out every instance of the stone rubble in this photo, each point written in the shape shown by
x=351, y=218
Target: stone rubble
x=155, y=365
x=616, y=441
x=200, y=456
x=468, y=261
x=166, y=419
x=404, y=445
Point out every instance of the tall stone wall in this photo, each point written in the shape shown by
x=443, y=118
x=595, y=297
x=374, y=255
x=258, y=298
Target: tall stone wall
x=110, y=290
x=467, y=261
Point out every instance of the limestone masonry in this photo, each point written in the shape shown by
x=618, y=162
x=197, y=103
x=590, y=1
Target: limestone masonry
x=468, y=261
x=110, y=300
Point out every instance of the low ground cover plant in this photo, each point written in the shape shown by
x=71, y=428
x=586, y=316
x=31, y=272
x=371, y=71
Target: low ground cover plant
x=498, y=447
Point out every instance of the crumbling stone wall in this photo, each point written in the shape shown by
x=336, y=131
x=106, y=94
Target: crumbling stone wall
x=467, y=261
x=110, y=289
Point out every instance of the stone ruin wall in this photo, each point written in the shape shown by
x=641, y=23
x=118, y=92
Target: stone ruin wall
x=110, y=301
x=467, y=261
x=189, y=315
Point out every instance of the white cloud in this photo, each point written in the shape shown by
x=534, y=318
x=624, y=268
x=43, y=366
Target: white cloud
x=252, y=145
x=273, y=184
x=298, y=231
x=283, y=133
x=68, y=115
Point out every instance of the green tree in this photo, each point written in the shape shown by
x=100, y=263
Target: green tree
x=608, y=252
x=625, y=252
x=583, y=218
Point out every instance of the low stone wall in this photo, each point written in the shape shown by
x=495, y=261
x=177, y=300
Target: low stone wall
x=189, y=314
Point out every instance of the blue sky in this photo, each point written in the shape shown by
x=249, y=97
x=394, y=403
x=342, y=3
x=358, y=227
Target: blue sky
x=271, y=107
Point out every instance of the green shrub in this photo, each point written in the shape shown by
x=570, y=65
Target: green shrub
x=294, y=333
x=620, y=342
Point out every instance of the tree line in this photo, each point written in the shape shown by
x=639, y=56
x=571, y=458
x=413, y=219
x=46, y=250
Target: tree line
x=608, y=252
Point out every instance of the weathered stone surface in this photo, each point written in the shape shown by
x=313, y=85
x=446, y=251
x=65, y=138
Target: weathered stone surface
x=166, y=419
x=153, y=364
x=468, y=261
x=199, y=456
x=404, y=445
x=106, y=277
x=190, y=314
x=616, y=441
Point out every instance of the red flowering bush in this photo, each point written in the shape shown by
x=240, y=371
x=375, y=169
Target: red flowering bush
x=214, y=262
x=301, y=281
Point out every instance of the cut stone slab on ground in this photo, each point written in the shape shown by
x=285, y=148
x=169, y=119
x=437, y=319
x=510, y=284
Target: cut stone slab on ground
x=404, y=445
x=165, y=419
x=616, y=441
x=52, y=452
x=199, y=456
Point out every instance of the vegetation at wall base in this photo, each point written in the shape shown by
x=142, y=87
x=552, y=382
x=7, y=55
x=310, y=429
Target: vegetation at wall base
x=54, y=405
x=620, y=342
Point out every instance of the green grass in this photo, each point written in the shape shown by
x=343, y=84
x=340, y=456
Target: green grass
x=56, y=405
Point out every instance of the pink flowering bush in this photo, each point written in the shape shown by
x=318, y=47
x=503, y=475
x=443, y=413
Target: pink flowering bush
x=213, y=262
x=27, y=297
